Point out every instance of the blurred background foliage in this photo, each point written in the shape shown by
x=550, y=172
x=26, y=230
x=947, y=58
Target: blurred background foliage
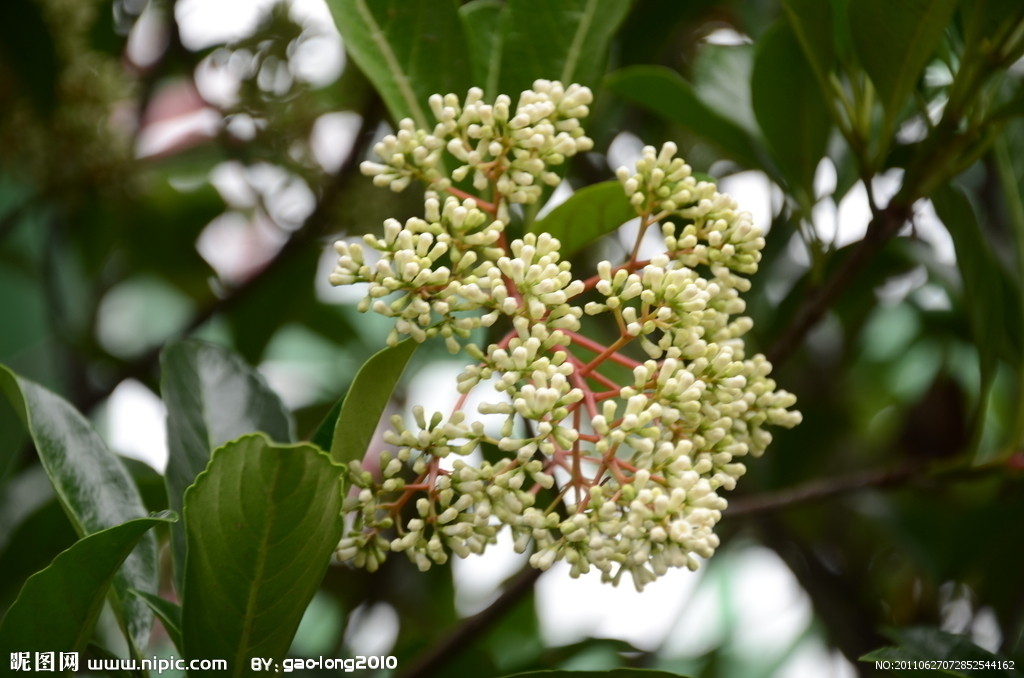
x=169, y=171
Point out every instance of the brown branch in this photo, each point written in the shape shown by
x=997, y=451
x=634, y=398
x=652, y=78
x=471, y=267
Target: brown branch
x=883, y=227
x=471, y=628
x=828, y=488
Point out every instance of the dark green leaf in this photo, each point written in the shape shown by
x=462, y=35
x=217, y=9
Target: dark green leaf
x=262, y=521
x=169, y=614
x=993, y=307
x=564, y=41
x=324, y=434
x=31, y=545
x=811, y=21
x=587, y=215
x=664, y=92
x=27, y=48
x=366, y=400
x=616, y=673
x=212, y=396
x=894, y=41
x=928, y=643
x=92, y=485
x=790, y=109
x=409, y=49
x=58, y=606
x=482, y=22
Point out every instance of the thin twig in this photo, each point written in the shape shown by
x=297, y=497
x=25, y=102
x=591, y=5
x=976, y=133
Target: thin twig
x=471, y=628
x=880, y=231
x=827, y=488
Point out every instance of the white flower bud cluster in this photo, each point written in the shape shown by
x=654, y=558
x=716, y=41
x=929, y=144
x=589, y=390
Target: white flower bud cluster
x=511, y=150
x=596, y=473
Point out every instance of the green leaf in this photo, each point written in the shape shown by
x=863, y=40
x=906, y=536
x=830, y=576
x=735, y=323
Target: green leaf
x=565, y=41
x=409, y=49
x=812, y=24
x=993, y=306
x=482, y=21
x=27, y=47
x=212, y=397
x=92, y=485
x=366, y=400
x=587, y=215
x=169, y=614
x=616, y=673
x=929, y=643
x=663, y=91
x=58, y=606
x=31, y=546
x=894, y=41
x=789, y=109
x=323, y=436
x=262, y=521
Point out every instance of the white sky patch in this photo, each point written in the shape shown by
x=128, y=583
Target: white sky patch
x=372, y=630
x=137, y=421
x=573, y=609
x=478, y=578
x=753, y=193
x=333, y=136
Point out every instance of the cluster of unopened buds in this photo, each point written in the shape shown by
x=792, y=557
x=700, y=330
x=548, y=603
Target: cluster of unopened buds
x=609, y=455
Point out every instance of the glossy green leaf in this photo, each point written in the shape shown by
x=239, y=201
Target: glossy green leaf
x=615, y=673
x=409, y=49
x=482, y=22
x=58, y=606
x=262, y=521
x=212, y=396
x=588, y=214
x=167, y=612
x=790, y=110
x=366, y=400
x=565, y=41
x=894, y=41
x=929, y=643
x=92, y=485
x=663, y=91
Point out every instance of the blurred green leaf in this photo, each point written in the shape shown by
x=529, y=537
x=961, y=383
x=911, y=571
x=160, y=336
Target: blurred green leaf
x=566, y=41
x=212, y=397
x=663, y=91
x=169, y=614
x=930, y=644
x=31, y=546
x=58, y=606
x=993, y=304
x=262, y=522
x=811, y=21
x=588, y=214
x=790, y=110
x=92, y=485
x=482, y=21
x=894, y=41
x=409, y=49
x=27, y=48
x=366, y=400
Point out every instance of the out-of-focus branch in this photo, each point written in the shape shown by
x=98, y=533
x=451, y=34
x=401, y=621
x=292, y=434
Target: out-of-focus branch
x=297, y=243
x=827, y=488
x=883, y=227
x=471, y=628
